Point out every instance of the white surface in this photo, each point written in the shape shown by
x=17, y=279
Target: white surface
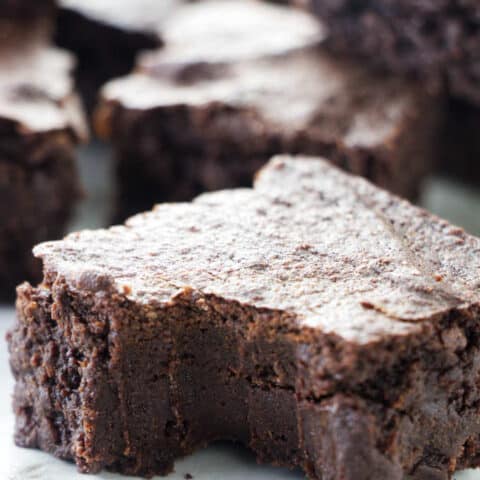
x=220, y=462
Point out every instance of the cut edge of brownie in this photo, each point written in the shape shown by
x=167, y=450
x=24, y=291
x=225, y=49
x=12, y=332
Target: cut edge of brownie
x=86, y=391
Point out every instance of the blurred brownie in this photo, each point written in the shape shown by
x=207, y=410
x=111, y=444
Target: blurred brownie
x=195, y=117
x=40, y=125
x=26, y=10
x=22, y=18
x=106, y=37
x=429, y=39
x=323, y=322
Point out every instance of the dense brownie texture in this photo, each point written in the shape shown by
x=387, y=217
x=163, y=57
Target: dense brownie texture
x=106, y=37
x=195, y=118
x=319, y=320
x=40, y=125
x=430, y=39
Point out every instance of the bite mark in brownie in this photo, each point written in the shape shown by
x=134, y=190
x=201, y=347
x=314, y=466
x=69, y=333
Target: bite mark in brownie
x=319, y=320
x=41, y=123
x=430, y=40
x=196, y=118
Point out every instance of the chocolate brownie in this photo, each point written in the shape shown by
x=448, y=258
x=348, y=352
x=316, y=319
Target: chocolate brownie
x=431, y=39
x=195, y=117
x=22, y=18
x=106, y=36
x=23, y=10
x=40, y=125
x=323, y=322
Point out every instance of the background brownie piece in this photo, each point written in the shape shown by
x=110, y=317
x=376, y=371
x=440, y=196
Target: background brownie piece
x=24, y=18
x=40, y=124
x=195, y=117
x=106, y=36
x=26, y=9
x=345, y=311
x=432, y=39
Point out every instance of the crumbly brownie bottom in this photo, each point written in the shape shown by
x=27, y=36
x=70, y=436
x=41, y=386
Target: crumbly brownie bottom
x=109, y=385
x=39, y=187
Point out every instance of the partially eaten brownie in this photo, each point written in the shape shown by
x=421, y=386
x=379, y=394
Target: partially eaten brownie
x=319, y=320
x=41, y=123
x=239, y=82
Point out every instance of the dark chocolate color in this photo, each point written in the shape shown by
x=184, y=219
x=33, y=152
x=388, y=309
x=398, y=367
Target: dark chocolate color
x=196, y=118
x=433, y=40
x=23, y=19
x=26, y=10
x=322, y=322
x=40, y=125
x=459, y=148
x=106, y=37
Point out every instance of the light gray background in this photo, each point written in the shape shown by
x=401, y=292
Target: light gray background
x=447, y=198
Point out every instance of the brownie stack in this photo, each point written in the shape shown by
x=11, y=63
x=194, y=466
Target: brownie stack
x=322, y=322
x=195, y=117
x=41, y=122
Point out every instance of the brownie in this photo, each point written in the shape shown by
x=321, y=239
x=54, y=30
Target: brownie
x=40, y=125
x=22, y=18
x=24, y=10
x=323, y=322
x=106, y=36
x=196, y=118
x=433, y=40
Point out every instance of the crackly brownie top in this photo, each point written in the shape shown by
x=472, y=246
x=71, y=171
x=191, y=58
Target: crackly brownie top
x=328, y=248
x=294, y=85
x=137, y=15
x=36, y=90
